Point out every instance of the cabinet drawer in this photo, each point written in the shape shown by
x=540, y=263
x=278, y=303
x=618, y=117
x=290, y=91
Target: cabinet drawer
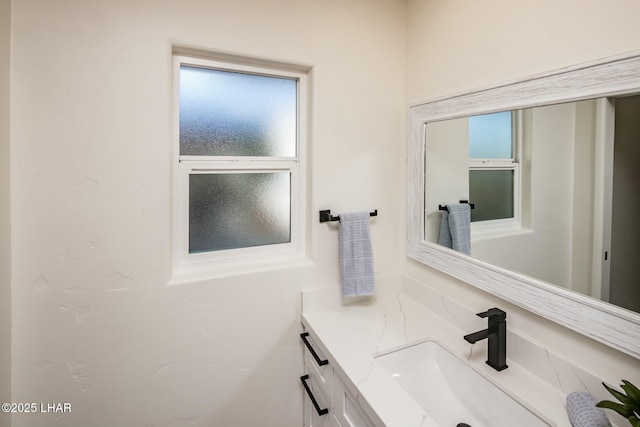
x=346, y=408
x=321, y=373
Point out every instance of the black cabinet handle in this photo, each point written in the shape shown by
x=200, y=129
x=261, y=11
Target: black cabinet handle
x=321, y=411
x=319, y=361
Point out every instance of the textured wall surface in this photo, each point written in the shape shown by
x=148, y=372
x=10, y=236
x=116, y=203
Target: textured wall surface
x=458, y=46
x=5, y=224
x=95, y=323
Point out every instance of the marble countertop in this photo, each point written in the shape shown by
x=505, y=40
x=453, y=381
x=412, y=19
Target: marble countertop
x=351, y=335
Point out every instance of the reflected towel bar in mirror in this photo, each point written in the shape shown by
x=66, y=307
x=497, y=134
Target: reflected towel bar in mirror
x=444, y=207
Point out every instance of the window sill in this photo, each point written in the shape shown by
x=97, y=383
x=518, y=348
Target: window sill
x=206, y=271
x=498, y=232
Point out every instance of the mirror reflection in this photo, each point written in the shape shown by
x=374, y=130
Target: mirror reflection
x=552, y=192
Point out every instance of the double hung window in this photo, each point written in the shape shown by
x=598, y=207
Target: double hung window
x=238, y=153
x=494, y=172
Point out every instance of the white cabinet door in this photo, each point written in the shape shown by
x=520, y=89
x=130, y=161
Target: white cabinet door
x=346, y=408
x=311, y=416
x=315, y=420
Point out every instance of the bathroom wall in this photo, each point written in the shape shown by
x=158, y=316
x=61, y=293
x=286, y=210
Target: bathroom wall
x=459, y=46
x=5, y=225
x=94, y=322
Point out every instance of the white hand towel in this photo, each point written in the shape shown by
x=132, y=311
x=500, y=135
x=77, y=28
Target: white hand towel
x=356, y=255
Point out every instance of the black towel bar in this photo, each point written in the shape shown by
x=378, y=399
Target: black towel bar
x=444, y=208
x=325, y=215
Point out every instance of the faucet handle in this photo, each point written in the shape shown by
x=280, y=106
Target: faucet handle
x=494, y=314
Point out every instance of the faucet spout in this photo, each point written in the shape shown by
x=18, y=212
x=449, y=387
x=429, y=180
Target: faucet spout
x=496, y=335
x=477, y=336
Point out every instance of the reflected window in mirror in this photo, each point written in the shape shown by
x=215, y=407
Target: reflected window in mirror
x=477, y=158
x=494, y=173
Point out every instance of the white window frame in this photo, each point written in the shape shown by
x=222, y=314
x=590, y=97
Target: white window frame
x=196, y=266
x=495, y=226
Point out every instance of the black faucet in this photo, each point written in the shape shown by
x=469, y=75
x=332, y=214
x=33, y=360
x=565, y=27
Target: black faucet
x=497, y=335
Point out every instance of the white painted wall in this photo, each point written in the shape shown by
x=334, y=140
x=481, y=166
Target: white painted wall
x=457, y=46
x=463, y=45
x=91, y=142
x=5, y=224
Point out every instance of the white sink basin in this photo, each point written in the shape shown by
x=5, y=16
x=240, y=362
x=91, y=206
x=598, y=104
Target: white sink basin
x=451, y=392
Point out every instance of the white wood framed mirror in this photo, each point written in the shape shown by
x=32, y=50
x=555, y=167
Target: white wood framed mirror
x=596, y=86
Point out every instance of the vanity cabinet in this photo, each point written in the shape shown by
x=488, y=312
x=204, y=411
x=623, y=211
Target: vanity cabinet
x=324, y=385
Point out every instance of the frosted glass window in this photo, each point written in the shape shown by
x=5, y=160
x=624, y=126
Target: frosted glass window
x=225, y=113
x=238, y=210
x=490, y=136
x=491, y=191
x=240, y=174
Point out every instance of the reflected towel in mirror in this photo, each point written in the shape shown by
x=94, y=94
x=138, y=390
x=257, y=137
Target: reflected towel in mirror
x=455, y=228
x=444, y=238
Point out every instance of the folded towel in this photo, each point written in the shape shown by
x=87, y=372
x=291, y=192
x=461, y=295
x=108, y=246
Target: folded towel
x=459, y=219
x=356, y=256
x=583, y=412
x=445, y=234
